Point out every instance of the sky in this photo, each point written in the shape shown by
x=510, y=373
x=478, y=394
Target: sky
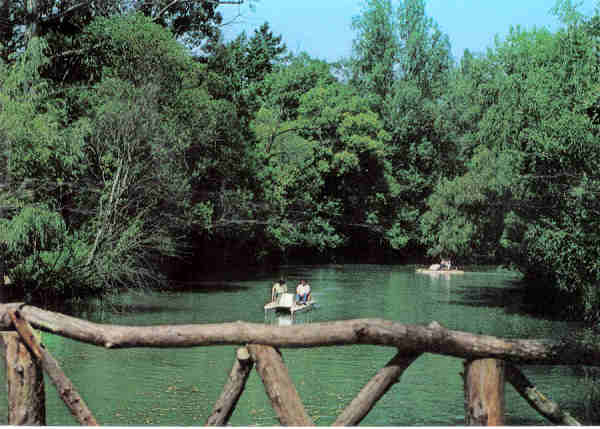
x=323, y=29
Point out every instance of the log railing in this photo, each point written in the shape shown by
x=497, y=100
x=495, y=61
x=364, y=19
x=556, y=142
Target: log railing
x=489, y=361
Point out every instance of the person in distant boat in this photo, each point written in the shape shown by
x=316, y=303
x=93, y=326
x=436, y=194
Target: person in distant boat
x=446, y=264
x=278, y=289
x=303, y=292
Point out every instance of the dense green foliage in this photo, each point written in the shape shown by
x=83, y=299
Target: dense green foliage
x=528, y=196
x=126, y=153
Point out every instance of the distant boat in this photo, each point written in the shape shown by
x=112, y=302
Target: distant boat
x=287, y=303
x=430, y=271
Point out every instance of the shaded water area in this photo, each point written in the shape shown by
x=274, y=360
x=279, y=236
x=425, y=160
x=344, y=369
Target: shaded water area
x=178, y=387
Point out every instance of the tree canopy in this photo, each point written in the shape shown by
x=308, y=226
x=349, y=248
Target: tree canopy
x=135, y=140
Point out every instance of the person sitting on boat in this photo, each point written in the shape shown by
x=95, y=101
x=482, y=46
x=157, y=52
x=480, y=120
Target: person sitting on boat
x=279, y=288
x=307, y=291
x=446, y=264
x=299, y=291
x=302, y=292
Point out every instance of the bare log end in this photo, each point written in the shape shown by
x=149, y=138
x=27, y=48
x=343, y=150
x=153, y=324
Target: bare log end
x=361, y=330
x=90, y=421
x=242, y=354
x=435, y=325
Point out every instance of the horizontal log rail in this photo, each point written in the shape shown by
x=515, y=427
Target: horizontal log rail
x=432, y=338
x=260, y=349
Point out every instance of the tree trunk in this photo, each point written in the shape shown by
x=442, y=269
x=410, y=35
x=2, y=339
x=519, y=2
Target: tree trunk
x=484, y=392
x=408, y=338
x=6, y=29
x=32, y=22
x=106, y=213
x=65, y=388
x=539, y=402
x=24, y=381
x=279, y=386
x=375, y=389
x=233, y=389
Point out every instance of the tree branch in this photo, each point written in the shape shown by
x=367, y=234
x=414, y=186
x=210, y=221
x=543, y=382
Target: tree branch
x=65, y=12
x=164, y=9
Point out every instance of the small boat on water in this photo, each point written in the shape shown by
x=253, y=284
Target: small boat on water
x=287, y=303
x=430, y=271
x=444, y=267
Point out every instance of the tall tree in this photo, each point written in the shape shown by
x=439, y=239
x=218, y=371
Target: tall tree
x=401, y=63
x=424, y=55
x=375, y=51
x=240, y=66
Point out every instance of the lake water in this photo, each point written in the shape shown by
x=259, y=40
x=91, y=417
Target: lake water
x=178, y=387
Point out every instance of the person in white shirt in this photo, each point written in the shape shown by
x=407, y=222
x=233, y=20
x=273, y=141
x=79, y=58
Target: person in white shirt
x=278, y=289
x=303, y=292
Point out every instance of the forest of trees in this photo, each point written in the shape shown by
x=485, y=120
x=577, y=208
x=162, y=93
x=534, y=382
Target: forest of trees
x=135, y=139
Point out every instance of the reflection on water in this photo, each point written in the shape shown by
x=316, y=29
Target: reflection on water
x=177, y=387
x=284, y=320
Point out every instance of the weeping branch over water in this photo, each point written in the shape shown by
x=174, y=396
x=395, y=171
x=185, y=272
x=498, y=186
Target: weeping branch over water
x=409, y=338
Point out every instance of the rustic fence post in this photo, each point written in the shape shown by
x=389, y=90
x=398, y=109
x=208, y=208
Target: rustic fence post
x=484, y=392
x=65, y=388
x=233, y=389
x=541, y=403
x=24, y=382
x=279, y=386
x=375, y=389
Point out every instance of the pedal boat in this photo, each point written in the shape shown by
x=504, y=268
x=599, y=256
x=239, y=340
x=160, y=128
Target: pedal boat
x=430, y=271
x=286, y=303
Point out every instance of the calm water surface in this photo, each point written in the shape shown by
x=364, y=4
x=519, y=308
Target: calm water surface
x=177, y=387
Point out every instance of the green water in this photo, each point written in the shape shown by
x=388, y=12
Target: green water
x=177, y=387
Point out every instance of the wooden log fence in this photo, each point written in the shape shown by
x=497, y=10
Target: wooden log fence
x=375, y=389
x=65, y=388
x=489, y=361
x=25, y=383
x=484, y=392
x=233, y=389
